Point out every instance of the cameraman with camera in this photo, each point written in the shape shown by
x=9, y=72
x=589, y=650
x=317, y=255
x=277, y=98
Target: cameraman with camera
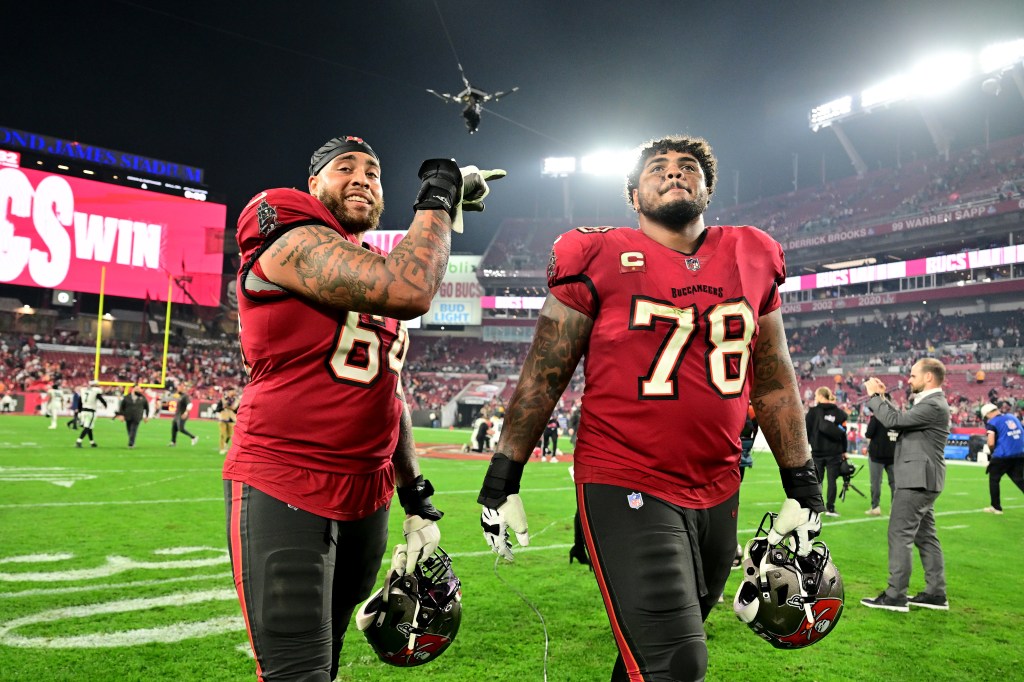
x=826, y=431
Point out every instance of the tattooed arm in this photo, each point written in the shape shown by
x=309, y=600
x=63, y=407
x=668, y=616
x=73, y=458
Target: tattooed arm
x=775, y=395
x=558, y=344
x=407, y=467
x=318, y=264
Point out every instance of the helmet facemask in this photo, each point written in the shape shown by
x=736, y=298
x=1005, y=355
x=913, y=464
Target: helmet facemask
x=788, y=600
x=414, y=618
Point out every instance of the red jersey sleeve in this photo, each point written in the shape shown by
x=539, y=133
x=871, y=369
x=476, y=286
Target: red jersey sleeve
x=571, y=256
x=273, y=212
x=775, y=263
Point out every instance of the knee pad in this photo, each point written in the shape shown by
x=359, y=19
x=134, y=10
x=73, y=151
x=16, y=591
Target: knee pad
x=293, y=591
x=690, y=661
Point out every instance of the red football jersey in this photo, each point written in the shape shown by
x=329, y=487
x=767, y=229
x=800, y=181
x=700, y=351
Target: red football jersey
x=669, y=364
x=318, y=422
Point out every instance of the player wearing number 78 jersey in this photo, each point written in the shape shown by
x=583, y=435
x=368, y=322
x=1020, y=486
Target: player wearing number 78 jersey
x=678, y=325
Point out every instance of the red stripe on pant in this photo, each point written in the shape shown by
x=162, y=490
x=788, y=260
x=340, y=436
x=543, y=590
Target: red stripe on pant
x=236, y=563
x=632, y=667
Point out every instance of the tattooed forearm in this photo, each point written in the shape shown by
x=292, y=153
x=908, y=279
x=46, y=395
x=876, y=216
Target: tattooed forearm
x=776, y=398
x=317, y=263
x=558, y=344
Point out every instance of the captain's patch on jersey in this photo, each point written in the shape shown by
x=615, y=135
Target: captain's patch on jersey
x=632, y=261
x=267, y=216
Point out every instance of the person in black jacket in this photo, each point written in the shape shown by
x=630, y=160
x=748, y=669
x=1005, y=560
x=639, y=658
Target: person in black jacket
x=826, y=431
x=881, y=451
x=134, y=409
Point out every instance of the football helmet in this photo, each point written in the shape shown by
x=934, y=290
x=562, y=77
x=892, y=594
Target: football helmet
x=413, y=618
x=789, y=600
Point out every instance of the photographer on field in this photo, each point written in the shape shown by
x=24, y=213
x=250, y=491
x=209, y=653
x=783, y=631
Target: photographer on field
x=826, y=432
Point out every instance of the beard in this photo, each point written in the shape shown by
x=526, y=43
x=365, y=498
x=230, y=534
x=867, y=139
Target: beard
x=352, y=223
x=680, y=212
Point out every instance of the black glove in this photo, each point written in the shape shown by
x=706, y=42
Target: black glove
x=801, y=484
x=441, y=188
x=415, y=499
x=502, y=479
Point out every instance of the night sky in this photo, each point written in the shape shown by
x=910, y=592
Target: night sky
x=247, y=90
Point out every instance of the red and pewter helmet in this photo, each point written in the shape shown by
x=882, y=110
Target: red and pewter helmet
x=414, y=618
x=788, y=600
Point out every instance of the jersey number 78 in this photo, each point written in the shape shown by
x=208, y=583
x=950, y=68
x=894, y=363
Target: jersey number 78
x=729, y=328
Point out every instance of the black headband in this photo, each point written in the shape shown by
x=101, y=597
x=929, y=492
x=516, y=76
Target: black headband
x=333, y=147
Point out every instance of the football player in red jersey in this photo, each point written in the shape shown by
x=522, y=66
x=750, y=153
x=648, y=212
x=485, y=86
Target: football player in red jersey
x=681, y=325
x=323, y=432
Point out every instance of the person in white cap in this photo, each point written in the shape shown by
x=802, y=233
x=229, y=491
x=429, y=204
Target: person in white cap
x=1006, y=446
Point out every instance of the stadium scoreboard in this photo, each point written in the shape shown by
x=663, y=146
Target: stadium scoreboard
x=71, y=214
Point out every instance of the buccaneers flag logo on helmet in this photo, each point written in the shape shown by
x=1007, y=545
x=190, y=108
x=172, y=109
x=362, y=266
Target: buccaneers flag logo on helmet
x=414, y=618
x=788, y=600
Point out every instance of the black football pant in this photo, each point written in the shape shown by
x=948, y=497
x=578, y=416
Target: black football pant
x=296, y=589
x=660, y=569
x=997, y=468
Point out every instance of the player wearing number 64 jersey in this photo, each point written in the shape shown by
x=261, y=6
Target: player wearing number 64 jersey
x=678, y=325
x=323, y=433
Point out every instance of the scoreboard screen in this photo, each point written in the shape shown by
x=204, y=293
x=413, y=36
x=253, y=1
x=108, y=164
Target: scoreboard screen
x=59, y=232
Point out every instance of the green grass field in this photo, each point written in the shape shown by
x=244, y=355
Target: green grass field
x=113, y=567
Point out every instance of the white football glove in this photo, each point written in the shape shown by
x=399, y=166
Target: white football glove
x=421, y=539
x=496, y=523
x=398, y=558
x=474, y=189
x=800, y=523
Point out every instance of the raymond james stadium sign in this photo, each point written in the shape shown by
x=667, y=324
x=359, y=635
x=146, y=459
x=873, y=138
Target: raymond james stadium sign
x=76, y=151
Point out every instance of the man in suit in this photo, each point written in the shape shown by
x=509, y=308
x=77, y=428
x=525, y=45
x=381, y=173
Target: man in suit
x=920, y=472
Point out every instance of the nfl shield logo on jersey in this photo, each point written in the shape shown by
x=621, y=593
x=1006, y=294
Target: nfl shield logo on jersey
x=636, y=500
x=693, y=264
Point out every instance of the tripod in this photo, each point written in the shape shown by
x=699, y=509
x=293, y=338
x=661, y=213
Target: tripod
x=847, y=484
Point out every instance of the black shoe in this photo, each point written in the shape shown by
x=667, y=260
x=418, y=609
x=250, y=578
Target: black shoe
x=930, y=601
x=579, y=554
x=884, y=601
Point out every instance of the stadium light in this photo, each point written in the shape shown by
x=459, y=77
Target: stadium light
x=940, y=73
x=999, y=56
x=888, y=91
x=606, y=163
x=824, y=114
x=559, y=166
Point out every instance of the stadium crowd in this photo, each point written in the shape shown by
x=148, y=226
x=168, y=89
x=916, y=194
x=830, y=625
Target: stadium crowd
x=972, y=176
x=438, y=369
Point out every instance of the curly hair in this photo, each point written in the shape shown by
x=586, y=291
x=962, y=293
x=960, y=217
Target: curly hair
x=698, y=146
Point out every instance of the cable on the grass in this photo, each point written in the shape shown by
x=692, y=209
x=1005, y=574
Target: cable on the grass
x=529, y=603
